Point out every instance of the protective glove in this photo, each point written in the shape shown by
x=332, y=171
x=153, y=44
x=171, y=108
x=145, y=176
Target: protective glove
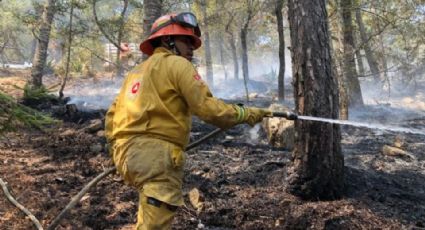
x=252, y=115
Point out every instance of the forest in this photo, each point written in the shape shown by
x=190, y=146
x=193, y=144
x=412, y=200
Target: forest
x=345, y=79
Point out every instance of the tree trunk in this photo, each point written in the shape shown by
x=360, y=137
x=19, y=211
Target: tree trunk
x=207, y=46
x=373, y=64
x=40, y=58
x=234, y=56
x=220, y=46
x=349, y=64
x=233, y=47
x=359, y=57
x=317, y=171
x=337, y=60
x=120, y=70
x=68, y=58
x=281, y=76
x=245, y=71
x=5, y=43
x=152, y=9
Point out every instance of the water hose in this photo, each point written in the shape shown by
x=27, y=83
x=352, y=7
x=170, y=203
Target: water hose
x=288, y=115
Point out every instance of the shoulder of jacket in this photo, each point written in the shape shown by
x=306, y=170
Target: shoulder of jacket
x=179, y=61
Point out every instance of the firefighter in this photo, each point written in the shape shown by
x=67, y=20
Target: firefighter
x=148, y=124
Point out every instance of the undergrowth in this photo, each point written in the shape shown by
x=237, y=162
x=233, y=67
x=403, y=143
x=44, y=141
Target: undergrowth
x=14, y=115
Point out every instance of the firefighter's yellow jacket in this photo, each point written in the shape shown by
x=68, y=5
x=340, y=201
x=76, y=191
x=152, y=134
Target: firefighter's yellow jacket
x=159, y=97
x=148, y=124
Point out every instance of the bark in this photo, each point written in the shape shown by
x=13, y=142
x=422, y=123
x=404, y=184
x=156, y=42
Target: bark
x=152, y=9
x=359, y=58
x=232, y=44
x=40, y=58
x=281, y=76
x=120, y=71
x=317, y=171
x=207, y=46
x=33, y=49
x=349, y=64
x=221, y=49
x=373, y=64
x=243, y=35
x=244, y=46
x=337, y=56
x=68, y=58
x=245, y=71
x=5, y=43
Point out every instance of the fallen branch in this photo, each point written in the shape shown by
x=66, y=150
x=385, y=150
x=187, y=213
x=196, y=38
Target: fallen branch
x=78, y=197
x=108, y=171
x=18, y=205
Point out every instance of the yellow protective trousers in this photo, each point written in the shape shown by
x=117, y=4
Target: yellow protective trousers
x=155, y=168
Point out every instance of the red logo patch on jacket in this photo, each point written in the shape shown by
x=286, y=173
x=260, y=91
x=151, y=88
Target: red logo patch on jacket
x=135, y=88
x=197, y=77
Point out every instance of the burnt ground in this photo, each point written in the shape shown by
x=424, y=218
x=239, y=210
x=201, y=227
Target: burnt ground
x=241, y=181
x=240, y=177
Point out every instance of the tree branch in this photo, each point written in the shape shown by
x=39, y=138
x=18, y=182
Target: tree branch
x=18, y=205
x=99, y=25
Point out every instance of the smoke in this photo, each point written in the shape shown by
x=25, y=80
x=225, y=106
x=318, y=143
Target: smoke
x=254, y=134
x=89, y=95
x=263, y=75
x=396, y=105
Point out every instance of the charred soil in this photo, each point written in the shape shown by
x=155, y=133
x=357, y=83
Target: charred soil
x=240, y=180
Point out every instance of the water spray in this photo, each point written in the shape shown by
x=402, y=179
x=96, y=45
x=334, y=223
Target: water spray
x=293, y=116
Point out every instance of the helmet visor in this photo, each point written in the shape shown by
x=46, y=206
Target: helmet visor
x=185, y=19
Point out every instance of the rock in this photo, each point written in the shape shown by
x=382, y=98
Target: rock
x=100, y=133
x=68, y=132
x=196, y=199
x=399, y=141
x=94, y=126
x=95, y=148
x=58, y=110
x=280, y=132
x=394, y=151
x=71, y=109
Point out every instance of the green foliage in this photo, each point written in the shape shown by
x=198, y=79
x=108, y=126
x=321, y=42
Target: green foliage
x=37, y=94
x=14, y=115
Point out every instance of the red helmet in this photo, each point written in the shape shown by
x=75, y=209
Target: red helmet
x=172, y=24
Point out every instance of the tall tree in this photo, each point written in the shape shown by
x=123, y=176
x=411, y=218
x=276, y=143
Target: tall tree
x=219, y=36
x=250, y=7
x=232, y=43
x=359, y=57
x=43, y=38
x=68, y=56
x=337, y=46
x=349, y=63
x=281, y=76
x=318, y=167
x=207, y=46
x=152, y=9
x=371, y=60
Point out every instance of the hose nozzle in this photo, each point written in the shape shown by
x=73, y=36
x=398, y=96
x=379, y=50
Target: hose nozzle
x=288, y=115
